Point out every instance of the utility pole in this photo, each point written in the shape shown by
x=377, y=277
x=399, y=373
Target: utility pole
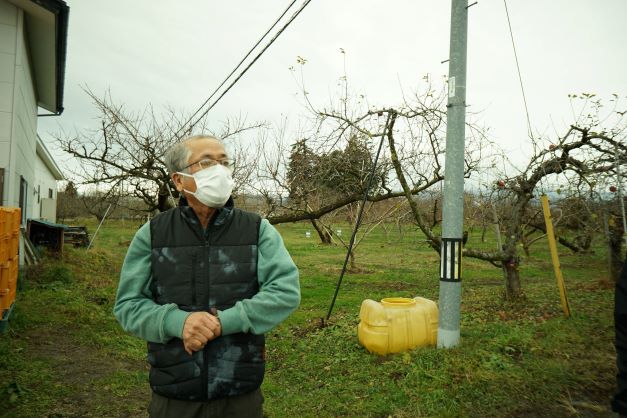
x=453, y=195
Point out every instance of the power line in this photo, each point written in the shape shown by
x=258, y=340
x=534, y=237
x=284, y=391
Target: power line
x=253, y=61
x=274, y=38
x=522, y=88
x=237, y=66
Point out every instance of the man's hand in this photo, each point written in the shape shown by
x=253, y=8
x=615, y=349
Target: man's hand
x=200, y=328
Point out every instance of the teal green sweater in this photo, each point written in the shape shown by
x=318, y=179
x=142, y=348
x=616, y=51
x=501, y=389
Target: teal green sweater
x=278, y=296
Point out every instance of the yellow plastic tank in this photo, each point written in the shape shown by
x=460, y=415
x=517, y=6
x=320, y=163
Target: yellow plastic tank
x=397, y=324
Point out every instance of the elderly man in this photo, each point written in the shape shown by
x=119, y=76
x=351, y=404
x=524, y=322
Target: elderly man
x=202, y=283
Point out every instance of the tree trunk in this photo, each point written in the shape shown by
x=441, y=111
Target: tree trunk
x=524, y=240
x=512, y=280
x=386, y=231
x=353, y=265
x=435, y=221
x=323, y=233
x=163, y=198
x=584, y=241
x=400, y=230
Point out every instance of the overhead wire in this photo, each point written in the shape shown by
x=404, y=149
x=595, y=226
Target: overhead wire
x=238, y=65
x=522, y=88
x=274, y=38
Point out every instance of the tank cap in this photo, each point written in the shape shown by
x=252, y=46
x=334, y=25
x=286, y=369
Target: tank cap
x=398, y=302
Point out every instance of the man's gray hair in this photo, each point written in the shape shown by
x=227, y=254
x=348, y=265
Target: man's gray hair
x=177, y=156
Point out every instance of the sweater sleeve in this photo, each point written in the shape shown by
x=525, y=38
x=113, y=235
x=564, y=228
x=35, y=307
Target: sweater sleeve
x=279, y=289
x=134, y=307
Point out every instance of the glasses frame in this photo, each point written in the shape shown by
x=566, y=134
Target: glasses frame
x=226, y=162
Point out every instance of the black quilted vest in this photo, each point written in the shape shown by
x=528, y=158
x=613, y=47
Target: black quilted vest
x=198, y=272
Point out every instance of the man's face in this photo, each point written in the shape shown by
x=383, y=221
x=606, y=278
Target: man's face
x=201, y=149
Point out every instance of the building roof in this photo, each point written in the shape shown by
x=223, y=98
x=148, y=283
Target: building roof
x=46, y=23
x=45, y=156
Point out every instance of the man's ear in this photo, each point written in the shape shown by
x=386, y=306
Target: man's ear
x=178, y=182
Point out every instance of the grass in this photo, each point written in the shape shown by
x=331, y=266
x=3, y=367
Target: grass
x=64, y=354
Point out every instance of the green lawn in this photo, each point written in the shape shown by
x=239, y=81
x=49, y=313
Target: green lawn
x=64, y=355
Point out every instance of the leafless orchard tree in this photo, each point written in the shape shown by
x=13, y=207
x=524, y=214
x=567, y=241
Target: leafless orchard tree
x=374, y=215
x=124, y=155
x=579, y=159
x=329, y=166
x=337, y=176
x=586, y=151
x=575, y=221
x=415, y=134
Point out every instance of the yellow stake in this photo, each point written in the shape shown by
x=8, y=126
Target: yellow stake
x=554, y=257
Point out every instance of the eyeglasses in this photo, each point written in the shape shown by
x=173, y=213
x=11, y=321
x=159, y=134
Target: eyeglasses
x=208, y=162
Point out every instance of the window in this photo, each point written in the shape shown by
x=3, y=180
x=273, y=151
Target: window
x=50, y=196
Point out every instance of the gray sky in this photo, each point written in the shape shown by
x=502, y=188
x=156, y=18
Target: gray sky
x=176, y=52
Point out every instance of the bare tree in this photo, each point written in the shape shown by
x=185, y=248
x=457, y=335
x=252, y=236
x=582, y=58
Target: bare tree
x=582, y=154
x=125, y=153
x=332, y=177
x=68, y=204
x=100, y=203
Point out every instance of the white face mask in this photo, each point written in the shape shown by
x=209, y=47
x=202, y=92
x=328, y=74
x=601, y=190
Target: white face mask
x=213, y=185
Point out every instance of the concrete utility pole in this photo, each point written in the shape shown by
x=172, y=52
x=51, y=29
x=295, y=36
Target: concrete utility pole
x=453, y=195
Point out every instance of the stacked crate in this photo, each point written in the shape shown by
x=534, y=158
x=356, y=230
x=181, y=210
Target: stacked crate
x=9, y=244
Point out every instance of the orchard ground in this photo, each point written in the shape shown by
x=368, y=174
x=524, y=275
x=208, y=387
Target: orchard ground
x=64, y=355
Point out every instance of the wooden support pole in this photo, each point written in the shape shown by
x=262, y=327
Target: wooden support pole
x=554, y=257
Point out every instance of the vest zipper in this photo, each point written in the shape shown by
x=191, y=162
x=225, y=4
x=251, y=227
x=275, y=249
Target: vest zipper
x=194, y=280
x=205, y=351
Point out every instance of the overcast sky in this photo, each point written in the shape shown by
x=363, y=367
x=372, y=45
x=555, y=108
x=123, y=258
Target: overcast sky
x=176, y=52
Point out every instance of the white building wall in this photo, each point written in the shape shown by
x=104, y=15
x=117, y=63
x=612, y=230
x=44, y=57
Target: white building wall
x=17, y=105
x=45, y=184
x=8, y=35
x=24, y=121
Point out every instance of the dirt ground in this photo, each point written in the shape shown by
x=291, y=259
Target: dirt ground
x=81, y=370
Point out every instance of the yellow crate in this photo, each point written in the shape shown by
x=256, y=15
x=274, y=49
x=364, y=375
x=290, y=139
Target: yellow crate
x=10, y=219
x=4, y=220
x=17, y=217
x=4, y=248
x=5, y=215
x=4, y=287
x=4, y=301
x=14, y=245
x=12, y=282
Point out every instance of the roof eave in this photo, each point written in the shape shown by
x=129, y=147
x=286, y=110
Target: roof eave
x=49, y=92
